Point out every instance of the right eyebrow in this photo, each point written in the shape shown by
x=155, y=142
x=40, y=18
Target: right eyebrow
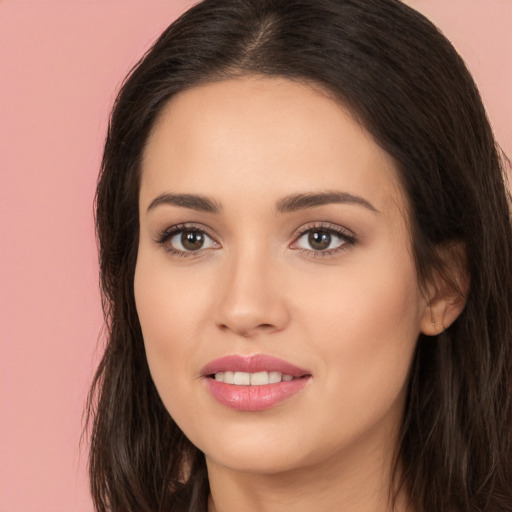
x=192, y=201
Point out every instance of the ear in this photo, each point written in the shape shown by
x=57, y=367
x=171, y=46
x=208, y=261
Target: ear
x=447, y=290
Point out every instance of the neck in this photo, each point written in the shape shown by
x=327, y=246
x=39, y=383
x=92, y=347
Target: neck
x=359, y=482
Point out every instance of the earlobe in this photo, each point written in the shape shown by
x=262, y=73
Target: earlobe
x=440, y=314
x=447, y=292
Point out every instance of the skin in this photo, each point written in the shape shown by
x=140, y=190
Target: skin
x=256, y=286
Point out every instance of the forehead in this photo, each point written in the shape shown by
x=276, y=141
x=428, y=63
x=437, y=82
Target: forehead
x=272, y=136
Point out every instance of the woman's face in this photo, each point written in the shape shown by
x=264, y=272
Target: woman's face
x=274, y=246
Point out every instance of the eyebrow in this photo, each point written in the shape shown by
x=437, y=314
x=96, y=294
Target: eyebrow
x=296, y=202
x=191, y=201
x=287, y=204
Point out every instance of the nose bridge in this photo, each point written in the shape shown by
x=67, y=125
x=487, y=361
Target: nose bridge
x=251, y=298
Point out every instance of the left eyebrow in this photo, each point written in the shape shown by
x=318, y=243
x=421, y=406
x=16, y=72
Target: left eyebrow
x=296, y=202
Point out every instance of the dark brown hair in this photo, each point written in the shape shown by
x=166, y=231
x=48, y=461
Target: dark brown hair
x=405, y=83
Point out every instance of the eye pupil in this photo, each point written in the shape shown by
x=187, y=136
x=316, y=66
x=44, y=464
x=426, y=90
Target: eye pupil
x=319, y=240
x=192, y=240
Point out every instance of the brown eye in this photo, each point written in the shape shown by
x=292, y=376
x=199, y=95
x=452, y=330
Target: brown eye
x=319, y=240
x=188, y=240
x=192, y=240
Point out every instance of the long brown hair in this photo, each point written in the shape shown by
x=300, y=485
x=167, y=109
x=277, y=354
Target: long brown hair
x=405, y=83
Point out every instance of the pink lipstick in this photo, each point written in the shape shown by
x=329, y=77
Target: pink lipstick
x=253, y=383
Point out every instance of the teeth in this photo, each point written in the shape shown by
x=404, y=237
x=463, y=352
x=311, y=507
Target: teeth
x=242, y=379
x=274, y=377
x=253, y=379
x=259, y=379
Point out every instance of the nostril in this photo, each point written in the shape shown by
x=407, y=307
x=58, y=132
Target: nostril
x=266, y=327
x=247, y=330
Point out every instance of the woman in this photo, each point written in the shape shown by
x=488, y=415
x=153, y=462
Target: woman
x=306, y=264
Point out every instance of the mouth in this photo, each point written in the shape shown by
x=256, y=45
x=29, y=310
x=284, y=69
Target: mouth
x=253, y=383
x=255, y=370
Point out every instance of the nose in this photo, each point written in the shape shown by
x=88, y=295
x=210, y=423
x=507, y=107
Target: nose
x=252, y=298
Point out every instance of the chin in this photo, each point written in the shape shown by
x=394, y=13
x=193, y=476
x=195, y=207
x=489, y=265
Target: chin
x=264, y=453
x=255, y=462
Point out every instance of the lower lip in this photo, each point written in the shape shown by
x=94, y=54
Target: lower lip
x=254, y=398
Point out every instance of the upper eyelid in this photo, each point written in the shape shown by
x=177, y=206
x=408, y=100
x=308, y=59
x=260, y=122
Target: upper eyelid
x=177, y=228
x=182, y=226
x=327, y=226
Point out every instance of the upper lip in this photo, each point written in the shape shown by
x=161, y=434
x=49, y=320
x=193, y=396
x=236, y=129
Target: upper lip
x=252, y=364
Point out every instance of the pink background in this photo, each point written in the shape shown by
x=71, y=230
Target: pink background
x=60, y=64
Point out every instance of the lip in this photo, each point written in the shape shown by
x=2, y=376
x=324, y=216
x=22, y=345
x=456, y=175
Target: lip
x=253, y=364
x=253, y=398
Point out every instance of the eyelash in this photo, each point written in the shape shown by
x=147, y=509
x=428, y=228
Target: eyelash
x=345, y=236
x=169, y=233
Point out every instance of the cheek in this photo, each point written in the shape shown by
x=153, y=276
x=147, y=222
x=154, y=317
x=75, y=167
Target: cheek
x=365, y=329
x=168, y=313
